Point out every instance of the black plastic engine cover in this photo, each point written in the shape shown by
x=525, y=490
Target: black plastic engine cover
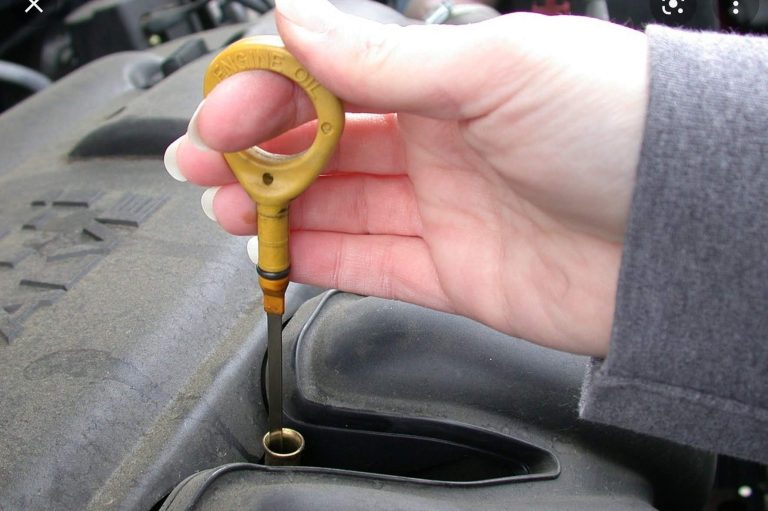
x=376, y=385
x=126, y=316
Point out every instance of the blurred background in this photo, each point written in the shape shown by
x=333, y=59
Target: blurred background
x=43, y=40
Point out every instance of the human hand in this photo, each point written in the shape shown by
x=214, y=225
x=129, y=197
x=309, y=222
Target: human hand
x=489, y=175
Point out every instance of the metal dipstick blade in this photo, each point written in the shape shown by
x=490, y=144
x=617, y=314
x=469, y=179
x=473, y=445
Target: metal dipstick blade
x=275, y=374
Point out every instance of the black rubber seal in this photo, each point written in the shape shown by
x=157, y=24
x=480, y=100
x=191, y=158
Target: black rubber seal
x=272, y=275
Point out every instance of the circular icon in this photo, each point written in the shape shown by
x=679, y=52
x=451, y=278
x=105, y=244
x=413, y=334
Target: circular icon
x=737, y=12
x=673, y=12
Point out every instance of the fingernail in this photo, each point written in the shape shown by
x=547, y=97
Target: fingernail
x=253, y=250
x=194, y=133
x=309, y=14
x=206, y=201
x=171, y=165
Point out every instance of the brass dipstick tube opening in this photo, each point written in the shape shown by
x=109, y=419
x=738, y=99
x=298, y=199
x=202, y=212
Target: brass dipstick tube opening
x=284, y=448
x=272, y=181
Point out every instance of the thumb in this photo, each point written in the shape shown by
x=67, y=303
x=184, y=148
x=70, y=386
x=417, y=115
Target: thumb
x=432, y=70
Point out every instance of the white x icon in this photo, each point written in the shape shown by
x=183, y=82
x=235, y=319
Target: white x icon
x=33, y=3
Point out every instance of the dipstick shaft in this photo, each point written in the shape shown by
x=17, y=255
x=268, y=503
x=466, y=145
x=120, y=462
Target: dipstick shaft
x=275, y=375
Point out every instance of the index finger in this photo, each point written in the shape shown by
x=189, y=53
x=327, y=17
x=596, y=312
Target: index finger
x=251, y=107
x=370, y=144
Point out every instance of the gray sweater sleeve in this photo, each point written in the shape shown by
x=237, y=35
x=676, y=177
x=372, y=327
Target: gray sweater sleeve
x=689, y=352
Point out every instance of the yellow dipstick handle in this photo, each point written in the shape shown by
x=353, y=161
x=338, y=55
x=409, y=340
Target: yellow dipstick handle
x=273, y=180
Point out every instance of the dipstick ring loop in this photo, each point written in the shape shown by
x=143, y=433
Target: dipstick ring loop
x=272, y=179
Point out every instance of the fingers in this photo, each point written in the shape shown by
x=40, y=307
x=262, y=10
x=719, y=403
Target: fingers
x=370, y=144
x=395, y=267
x=251, y=107
x=357, y=204
x=439, y=71
x=200, y=166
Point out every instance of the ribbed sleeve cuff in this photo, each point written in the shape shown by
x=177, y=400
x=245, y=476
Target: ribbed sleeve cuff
x=688, y=359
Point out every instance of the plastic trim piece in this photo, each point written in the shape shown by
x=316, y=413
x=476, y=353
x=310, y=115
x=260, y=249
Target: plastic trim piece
x=305, y=415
